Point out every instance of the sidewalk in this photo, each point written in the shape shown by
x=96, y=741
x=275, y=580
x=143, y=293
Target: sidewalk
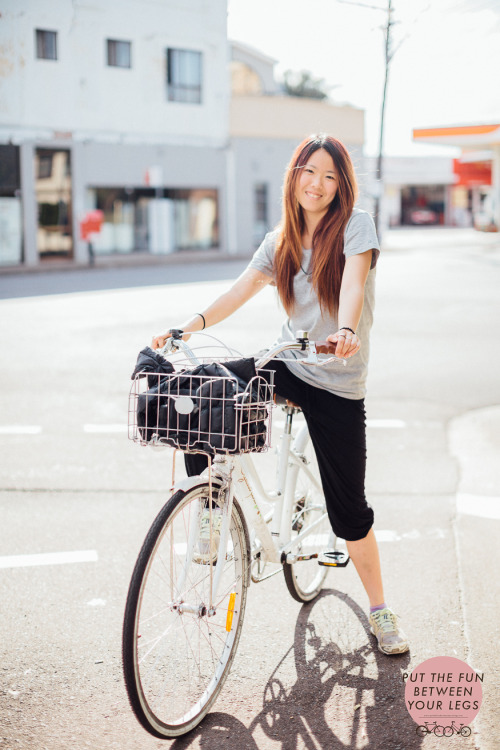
x=474, y=440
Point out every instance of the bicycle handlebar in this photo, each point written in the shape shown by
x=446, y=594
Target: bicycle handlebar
x=302, y=343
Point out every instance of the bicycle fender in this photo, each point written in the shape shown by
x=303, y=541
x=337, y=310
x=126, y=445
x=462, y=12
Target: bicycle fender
x=187, y=484
x=300, y=441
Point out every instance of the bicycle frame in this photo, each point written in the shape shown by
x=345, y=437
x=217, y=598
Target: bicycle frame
x=238, y=476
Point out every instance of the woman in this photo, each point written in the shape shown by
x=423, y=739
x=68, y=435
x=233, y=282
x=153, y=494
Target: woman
x=322, y=259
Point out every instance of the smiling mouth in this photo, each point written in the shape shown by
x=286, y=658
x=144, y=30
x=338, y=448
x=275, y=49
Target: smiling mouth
x=314, y=196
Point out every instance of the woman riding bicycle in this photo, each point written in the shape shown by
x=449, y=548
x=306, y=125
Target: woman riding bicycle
x=322, y=259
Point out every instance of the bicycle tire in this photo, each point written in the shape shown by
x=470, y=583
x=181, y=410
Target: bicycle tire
x=175, y=662
x=439, y=731
x=466, y=731
x=421, y=730
x=305, y=579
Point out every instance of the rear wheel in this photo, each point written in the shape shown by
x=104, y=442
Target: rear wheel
x=176, y=652
x=305, y=579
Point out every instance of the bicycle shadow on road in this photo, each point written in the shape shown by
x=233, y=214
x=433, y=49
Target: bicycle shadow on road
x=346, y=693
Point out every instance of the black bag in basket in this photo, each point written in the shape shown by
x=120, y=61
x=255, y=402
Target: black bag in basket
x=226, y=415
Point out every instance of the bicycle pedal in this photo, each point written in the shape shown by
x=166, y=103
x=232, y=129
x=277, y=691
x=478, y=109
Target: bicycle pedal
x=334, y=559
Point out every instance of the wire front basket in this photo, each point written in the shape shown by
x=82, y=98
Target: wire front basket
x=210, y=413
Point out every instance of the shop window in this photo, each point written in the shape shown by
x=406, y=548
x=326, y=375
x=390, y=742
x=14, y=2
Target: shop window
x=119, y=53
x=10, y=178
x=196, y=219
x=184, y=76
x=10, y=207
x=155, y=220
x=46, y=44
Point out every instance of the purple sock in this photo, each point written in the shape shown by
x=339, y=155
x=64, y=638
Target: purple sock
x=377, y=606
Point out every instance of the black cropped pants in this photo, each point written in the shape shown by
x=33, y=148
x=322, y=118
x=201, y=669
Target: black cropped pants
x=337, y=428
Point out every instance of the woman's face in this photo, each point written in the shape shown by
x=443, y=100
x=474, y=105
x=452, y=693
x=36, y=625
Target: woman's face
x=317, y=183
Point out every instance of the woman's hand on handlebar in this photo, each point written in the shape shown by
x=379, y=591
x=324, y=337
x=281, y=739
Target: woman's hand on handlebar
x=348, y=344
x=160, y=339
x=196, y=323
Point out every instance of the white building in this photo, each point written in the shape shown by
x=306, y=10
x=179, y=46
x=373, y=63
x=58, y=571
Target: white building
x=96, y=99
x=143, y=109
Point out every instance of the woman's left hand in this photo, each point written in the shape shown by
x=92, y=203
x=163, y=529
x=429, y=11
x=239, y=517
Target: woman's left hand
x=348, y=344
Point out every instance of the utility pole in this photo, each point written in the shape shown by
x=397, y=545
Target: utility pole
x=380, y=157
x=389, y=53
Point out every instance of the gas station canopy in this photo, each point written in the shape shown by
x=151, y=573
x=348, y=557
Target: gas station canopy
x=464, y=136
x=470, y=137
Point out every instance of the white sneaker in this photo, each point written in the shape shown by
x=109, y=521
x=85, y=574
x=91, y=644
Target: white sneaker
x=207, y=551
x=384, y=626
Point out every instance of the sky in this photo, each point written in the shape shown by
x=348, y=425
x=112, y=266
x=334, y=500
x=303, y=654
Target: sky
x=445, y=69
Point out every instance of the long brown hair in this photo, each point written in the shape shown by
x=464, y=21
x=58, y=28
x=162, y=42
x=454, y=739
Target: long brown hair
x=328, y=240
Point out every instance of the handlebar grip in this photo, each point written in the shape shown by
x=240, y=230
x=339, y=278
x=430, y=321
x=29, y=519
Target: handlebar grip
x=176, y=333
x=325, y=347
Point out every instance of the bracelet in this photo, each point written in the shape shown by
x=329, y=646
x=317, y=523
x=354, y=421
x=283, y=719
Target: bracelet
x=203, y=319
x=346, y=328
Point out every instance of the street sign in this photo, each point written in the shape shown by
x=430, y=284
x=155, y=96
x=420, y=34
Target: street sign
x=91, y=224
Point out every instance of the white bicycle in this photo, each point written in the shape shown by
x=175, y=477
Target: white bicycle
x=187, y=595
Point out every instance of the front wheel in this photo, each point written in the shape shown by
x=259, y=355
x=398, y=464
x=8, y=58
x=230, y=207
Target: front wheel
x=176, y=651
x=305, y=579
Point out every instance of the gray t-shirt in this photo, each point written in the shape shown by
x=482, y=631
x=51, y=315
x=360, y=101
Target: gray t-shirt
x=347, y=381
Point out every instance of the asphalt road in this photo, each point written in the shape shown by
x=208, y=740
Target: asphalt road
x=77, y=499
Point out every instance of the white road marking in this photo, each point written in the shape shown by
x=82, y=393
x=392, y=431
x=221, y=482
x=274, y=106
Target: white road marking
x=105, y=428
x=478, y=505
x=48, y=558
x=20, y=429
x=387, y=535
x=386, y=423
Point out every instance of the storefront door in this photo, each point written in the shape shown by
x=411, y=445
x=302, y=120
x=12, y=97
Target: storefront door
x=53, y=189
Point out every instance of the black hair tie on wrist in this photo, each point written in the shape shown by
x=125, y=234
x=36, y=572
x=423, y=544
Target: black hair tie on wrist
x=346, y=328
x=204, y=321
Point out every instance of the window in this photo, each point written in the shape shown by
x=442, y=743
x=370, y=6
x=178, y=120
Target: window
x=184, y=76
x=261, y=218
x=46, y=44
x=119, y=54
x=44, y=165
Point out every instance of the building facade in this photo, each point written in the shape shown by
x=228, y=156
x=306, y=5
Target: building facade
x=96, y=100
x=145, y=111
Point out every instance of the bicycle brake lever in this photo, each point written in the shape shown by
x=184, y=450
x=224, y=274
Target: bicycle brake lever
x=313, y=359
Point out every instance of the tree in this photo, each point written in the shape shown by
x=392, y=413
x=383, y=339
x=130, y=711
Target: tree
x=303, y=84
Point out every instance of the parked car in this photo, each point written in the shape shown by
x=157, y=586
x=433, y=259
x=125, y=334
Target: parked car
x=423, y=216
